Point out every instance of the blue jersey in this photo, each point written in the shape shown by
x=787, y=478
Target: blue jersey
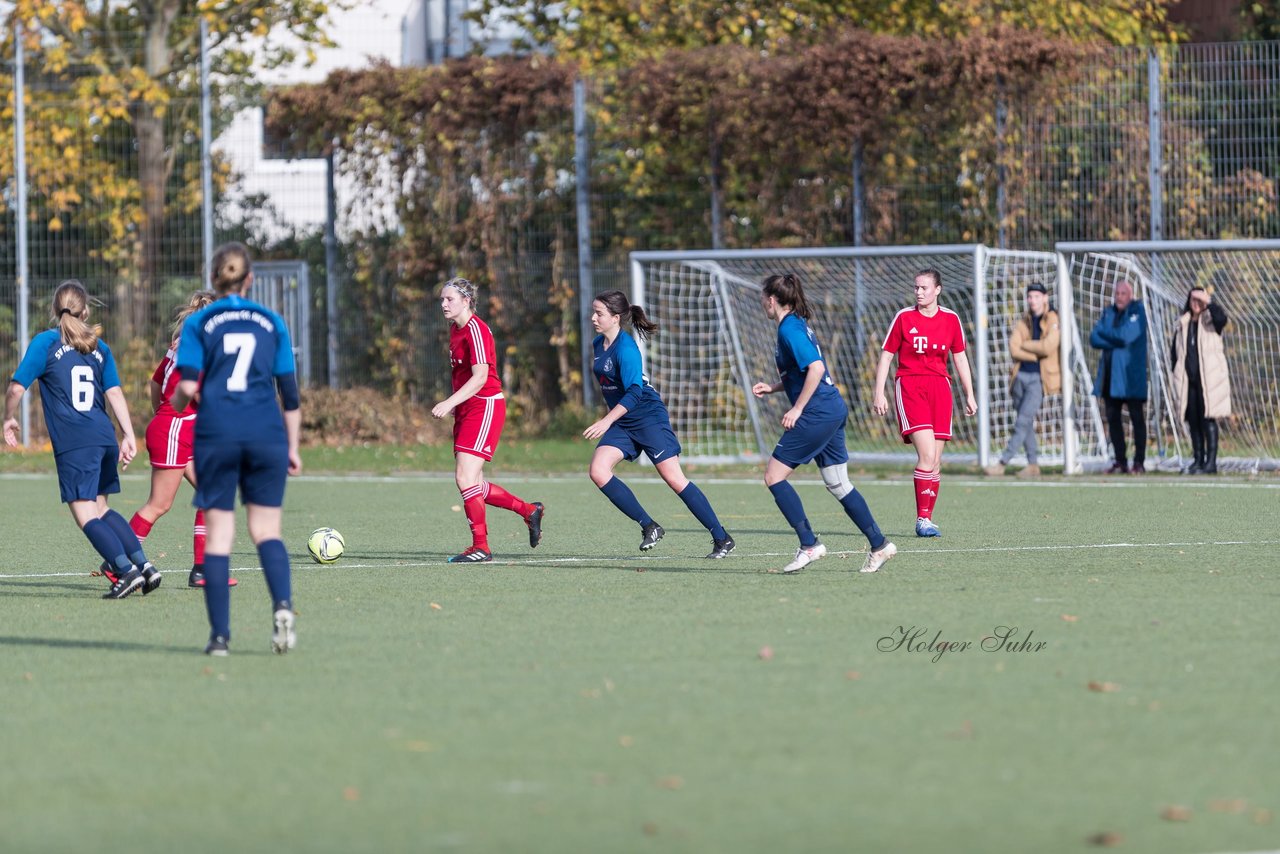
x=73, y=387
x=622, y=380
x=797, y=348
x=240, y=348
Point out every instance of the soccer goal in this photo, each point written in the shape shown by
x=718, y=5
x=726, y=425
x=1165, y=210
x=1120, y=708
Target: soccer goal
x=716, y=341
x=1243, y=277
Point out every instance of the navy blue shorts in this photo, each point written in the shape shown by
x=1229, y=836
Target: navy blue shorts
x=657, y=440
x=259, y=470
x=813, y=439
x=86, y=473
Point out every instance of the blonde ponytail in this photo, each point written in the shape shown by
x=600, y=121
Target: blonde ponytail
x=70, y=313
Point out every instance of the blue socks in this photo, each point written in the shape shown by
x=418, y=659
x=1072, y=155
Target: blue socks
x=855, y=507
x=132, y=548
x=275, y=566
x=788, y=501
x=625, y=500
x=700, y=507
x=217, y=595
x=106, y=543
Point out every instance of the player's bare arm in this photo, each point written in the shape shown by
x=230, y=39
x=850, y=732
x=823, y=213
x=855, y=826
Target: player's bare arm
x=599, y=428
x=814, y=372
x=879, y=402
x=479, y=375
x=11, y=398
x=966, y=383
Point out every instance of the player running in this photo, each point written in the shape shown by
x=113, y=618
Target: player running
x=638, y=421
x=78, y=378
x=922, y=337
x=239, y=356
x=813, y=428
x=481, y=411
x=170, y=437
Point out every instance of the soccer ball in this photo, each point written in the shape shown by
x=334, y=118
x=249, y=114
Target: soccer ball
x=326, y=545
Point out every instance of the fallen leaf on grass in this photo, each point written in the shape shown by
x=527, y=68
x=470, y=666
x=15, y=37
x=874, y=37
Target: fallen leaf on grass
x=1176, y=813
x=351, y=793
x=965, y=731
x=1104, y=687
x=671, y=782
x=418, y=746
x=649, y=828
x=1070, y=618
x=457, y=508
x=1232, y=806
x=766, y=653
x=626, y=741
x=1262, y=816
x=436, y=607
x=852, y=675
x=1107, y=839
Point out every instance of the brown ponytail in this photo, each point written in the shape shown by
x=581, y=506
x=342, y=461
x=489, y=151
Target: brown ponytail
x=617, y=304
x=229, y=267
x=70, y=308
x=789, y=293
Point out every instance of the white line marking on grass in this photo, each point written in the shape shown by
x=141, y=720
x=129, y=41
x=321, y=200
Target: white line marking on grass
x=1083, y=482
x=441, y=562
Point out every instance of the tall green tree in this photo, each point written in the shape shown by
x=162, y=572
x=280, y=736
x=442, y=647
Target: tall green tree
x=618, y=32
x=136, y=64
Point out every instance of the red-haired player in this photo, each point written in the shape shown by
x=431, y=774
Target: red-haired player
x=478, y=419
x=923, y=337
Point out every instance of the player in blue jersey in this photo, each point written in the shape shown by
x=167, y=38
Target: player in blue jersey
x=77, y=380
x=813, y=428
x=239, y=356
x=637, y=421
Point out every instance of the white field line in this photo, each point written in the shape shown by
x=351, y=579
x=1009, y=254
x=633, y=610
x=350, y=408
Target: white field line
x=346, y=566
x=1086, y=482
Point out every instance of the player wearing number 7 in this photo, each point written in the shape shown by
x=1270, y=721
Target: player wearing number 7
x=922, y=337
x=239, y=356
x=78, y=378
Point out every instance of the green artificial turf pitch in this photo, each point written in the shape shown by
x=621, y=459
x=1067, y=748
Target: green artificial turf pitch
x=585, y=697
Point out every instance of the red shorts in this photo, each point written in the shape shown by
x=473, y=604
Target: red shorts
x=924, y=403
x=169, y=441
x=477, y=426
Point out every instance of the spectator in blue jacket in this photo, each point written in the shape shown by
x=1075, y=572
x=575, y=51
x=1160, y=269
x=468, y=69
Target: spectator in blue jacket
x=1121, y=335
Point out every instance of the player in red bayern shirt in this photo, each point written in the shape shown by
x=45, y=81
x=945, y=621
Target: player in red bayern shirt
x=170, y=438
x=923, y=337
x=477, y=424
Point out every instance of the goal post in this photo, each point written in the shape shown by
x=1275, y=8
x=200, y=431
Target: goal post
x=715, y=342
x=1243, y=277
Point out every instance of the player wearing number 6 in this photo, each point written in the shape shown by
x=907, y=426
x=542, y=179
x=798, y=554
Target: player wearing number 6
x=239, y=356
x=77, y=379
x=923, y=337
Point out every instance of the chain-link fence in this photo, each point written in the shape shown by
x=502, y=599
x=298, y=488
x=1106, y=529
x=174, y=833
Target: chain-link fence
x=1180, y=143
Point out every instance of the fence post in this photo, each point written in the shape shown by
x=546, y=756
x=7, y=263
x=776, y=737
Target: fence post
x=1002, y=172
x=331, y=267
x=859, y=284
x=206, y=157
x=20, y=178
x=582, y=170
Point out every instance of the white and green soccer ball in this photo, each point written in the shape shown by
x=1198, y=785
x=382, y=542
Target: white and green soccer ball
x=326, y=545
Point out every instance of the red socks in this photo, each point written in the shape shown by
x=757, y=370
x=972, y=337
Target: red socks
x=197, y=539
x=141, y=527
x=498, y=497
x=927, y=485
x=473, y=506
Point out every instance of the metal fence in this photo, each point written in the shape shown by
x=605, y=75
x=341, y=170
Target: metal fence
x=1181, y=143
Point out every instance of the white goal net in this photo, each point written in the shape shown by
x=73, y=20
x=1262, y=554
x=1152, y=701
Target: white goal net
x=1244, y=278
x=715, y=341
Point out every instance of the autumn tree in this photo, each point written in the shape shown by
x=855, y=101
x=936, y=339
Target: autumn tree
x=618, y=32
x=134, y=65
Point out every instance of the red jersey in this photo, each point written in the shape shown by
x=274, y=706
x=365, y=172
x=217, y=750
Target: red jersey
x=166, y=376
x=922, y=344
x=471, y=345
